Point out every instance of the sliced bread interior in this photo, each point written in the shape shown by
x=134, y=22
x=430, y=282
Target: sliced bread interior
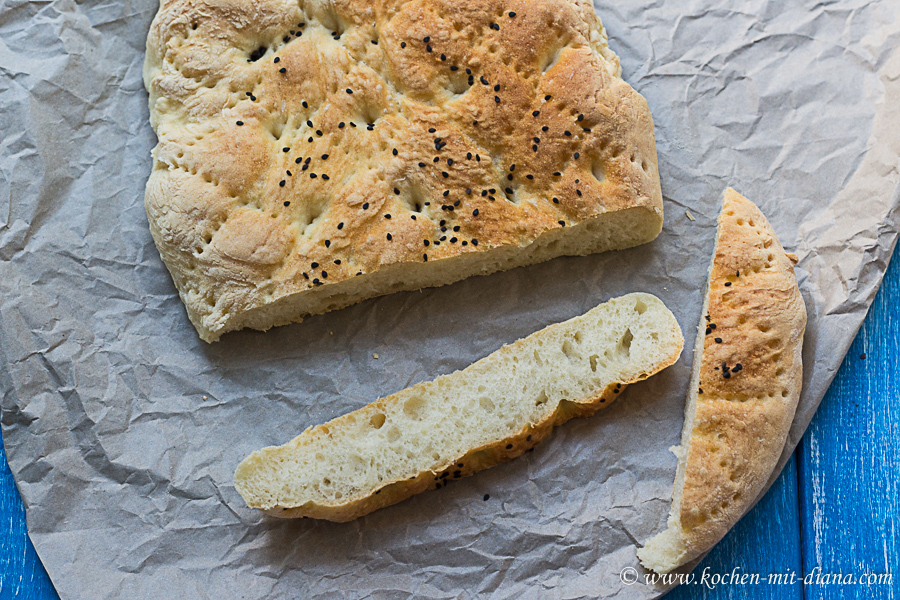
x=494, y=410
x=744, y=390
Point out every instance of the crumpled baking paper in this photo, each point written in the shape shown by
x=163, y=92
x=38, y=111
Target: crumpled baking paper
x=123, y=429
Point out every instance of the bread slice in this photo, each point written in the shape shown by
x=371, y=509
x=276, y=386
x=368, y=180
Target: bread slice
x=744, y=390
x=313, y=154
x=425, y=436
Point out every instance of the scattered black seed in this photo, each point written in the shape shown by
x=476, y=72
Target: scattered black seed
x=738, y=367
x=578, y=192
x=474, y=123
x=509, y=446
x=443, y=57
x=509, y=191
x=563, y=223
x=337, y=261
x=286, y=39
x=312, y=175
x=365, y=205
x=567, y=133
x=277, y=59
x=718, y=340
x=727, y=284
x=708, y=331
x=352, y=124
x=453, y=240
x=509, y=177
x=557, y=174
x=529, y=176
x=287, y=202
x=324, y=274
x=281, y=183
x=478, y=157
x=403, y=44
x=577, y=155
x=341, y=225
x=426, y=39
x=374, y=42
x=285, y=150
x=257, y=54
x=282, y=70
x=495, y=27
x=474, y=242
x=427, y=48
x=306, y=276
x=389, y=237
x=349, y=91
x=534, y=147
x=456, y=228
x=413, y=217
x=556, y=201
x=545, y=128
x=325, y=177
x=475, y=213
x=437, y=159
x=425, y=257
x=298, y=160
x=394, y=152
x=327, y=243
x=445, y=174
x=446, y=193
x=314, y=265
x=387, y=216
x=454, y=68
x=580, y=118
x=239, y=123
x=305, y=105
x=319, y=132
x=427, y=243
x=468, y=191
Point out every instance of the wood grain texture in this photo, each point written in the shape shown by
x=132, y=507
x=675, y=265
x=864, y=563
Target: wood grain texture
x=849, y=461
x=22, y=576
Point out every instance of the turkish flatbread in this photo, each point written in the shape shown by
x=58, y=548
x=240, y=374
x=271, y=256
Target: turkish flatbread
x=316, y=153
x=744, y=390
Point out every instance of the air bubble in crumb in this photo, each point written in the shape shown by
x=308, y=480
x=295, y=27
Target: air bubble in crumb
x=689, y=215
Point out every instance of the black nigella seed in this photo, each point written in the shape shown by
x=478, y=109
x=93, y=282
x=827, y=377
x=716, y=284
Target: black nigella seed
x=509, y=446
x=736, y=368
x=286, y=39
x=427, y=48
x=563, y=223
x=396, y=191
x=297, y=161
x=309, y=124
x=454, y=68
x=375, y=42
x=425, y=257
x=352, y=124
x=548, y=97
x=536, y=113
x=545, y=128
x=512, y=15
x=475, y=213
x=718, y=340
x=277, y=59
x=312, y=175
x=474, y=242
x=469, y=155
x=497, y=88
x=486, y=497
x=306, y=276
x=239, y=123
x=426, y=39
x=341, y=125
x=327, y=243
x=580, y=118
x=727, y=284
x=394, y=152
x=556, y=201
x=305, y=105
x=325, y=177
x=421, y=164
x=324, y=274
x=534, y=147
x=427, y=243
x=287, y=202
x=282, y=70
x=528, y=439
x=445, y=174
x=468, y=71
x=443, y=57
x=446, y=193
x=567, y=133
x=708, y=331
x=403, y=44
x=281, y=183
x=413, y=217
x=341, y=225
x=453, y=240
x=365, y=205
x=495, y=27
x=285, y=149
x=349, y=91
x=455, y=204
x=319, y=132
x=337, y=261
x=509, y=191
x=529, y=176
x=389, y=237
x=577, y=155
x=456, y=228
x=450, y=162
x=431, y=130
x=468, y=191
x=578, y=192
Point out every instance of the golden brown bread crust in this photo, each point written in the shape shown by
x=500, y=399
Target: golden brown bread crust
x=748, y=383
x=269, y=182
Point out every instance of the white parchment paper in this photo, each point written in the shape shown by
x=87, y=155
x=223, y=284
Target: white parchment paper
x=123, y=429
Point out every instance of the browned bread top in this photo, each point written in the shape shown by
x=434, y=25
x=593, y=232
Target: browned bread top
x=305, y=144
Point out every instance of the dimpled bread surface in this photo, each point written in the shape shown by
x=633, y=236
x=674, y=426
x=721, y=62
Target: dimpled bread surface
x=313, y=154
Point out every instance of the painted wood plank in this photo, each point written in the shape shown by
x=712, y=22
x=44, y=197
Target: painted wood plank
x=22, y=576
x=766, y=541
x=849, y=461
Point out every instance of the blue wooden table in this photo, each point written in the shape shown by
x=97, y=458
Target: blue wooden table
x=834, y=510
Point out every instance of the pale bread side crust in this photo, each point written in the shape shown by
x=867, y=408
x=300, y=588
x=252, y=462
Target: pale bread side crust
x=224, y=113
x=476, y=458
x=736, y=428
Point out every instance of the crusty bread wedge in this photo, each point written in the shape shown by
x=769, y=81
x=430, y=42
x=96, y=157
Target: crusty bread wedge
x=744, y=390
x=457, y=424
